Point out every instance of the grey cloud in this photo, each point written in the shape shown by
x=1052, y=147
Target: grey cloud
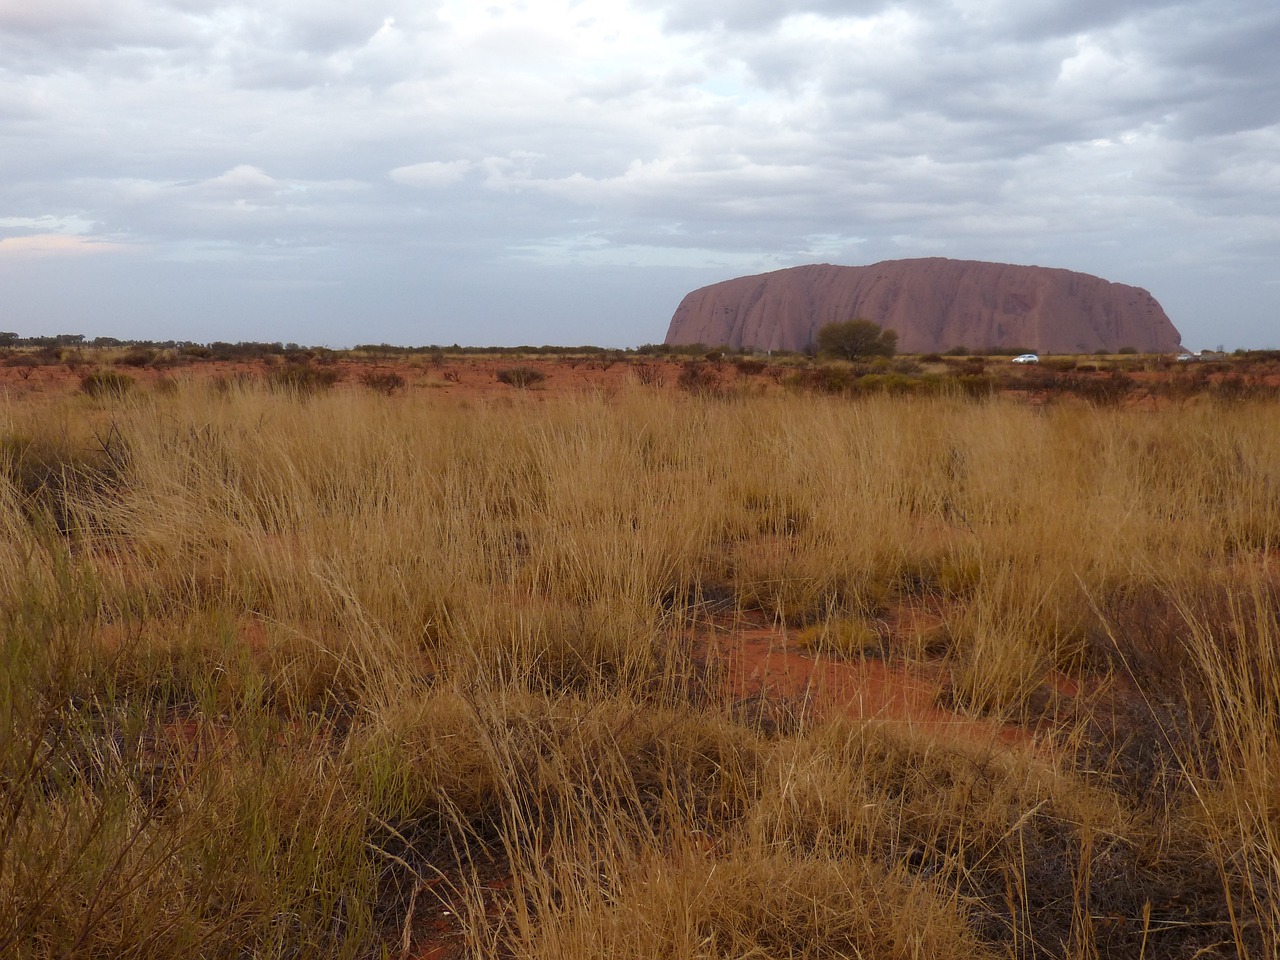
x=289, y=158
x=754, y=15
x=1038, y=20
x=49, y=36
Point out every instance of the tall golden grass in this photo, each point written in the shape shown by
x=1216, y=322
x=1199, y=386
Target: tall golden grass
x=346, y=675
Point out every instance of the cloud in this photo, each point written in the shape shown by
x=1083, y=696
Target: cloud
x=46, y=224
x=432, y=173
x=680, y=139
x=54, y=245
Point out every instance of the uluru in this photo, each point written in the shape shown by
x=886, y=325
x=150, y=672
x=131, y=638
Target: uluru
x=933, y=304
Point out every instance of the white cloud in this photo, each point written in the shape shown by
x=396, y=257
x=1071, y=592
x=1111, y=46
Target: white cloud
x=47, y=224
x=432, y=173
x=54, y=245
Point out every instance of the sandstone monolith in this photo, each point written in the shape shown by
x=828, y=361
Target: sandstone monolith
x=934, y=304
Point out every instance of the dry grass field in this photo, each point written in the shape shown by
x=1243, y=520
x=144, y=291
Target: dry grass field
x=338, y=674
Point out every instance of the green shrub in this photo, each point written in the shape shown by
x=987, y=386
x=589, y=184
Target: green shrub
x=856, y=340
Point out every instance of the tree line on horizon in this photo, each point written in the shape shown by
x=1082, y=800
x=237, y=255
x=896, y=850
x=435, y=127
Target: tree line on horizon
x=856, y=339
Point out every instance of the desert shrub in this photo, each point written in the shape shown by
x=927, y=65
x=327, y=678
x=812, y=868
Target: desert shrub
x=891, y=384
x=383, y=382
x=608, y=358
x=1058, y=364
x=106, y=383
x=302, y=379
x=1230, y=389
x=932, y=385
x=843, y=637
x=749, y=366
x=245, y=350
x=1127, y=351
x=698, y=377
x=1027, y=378
x=1236, y=388
x=649, y=374
x=1126, y=365
x=54, y=474
x=974, y=384
x=224, y=385
x=521, y=377
x=1108, y=391
x=827, y=378
x=764, y=905
x=24, y=363
x=957, y=352
x=138, y=357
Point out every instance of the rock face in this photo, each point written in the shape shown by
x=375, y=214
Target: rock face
x=933, y=304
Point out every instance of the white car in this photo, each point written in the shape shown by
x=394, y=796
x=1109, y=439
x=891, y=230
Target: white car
x=1026, y=358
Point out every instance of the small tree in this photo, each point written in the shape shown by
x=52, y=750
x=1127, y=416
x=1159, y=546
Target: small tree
x=856, y=340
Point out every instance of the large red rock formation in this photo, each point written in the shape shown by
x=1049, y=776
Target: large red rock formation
x=933, y=304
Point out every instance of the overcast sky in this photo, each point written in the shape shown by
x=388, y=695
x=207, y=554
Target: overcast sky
x=548, y=171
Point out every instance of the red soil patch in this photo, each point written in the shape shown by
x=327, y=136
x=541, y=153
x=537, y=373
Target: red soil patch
x=761, y=662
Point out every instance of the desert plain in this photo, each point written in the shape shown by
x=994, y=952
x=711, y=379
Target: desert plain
x=639, y=655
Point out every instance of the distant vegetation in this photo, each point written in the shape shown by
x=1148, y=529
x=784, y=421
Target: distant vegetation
x=858, y=360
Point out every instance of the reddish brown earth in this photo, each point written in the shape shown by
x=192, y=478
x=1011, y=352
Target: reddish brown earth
x=464, y=378
x=933, y=304
x=764, y=669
